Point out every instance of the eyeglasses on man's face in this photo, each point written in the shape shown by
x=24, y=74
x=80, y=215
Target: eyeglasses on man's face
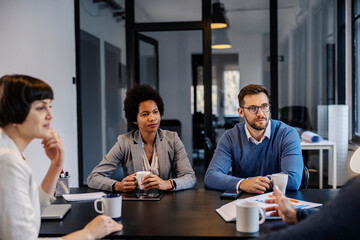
x=254, y=109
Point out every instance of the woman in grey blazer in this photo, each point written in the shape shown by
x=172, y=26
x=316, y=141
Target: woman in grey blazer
x=147, y=148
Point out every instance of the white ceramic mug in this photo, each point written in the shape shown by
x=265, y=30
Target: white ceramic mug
x=247, y=217
x=140, y=177
x=280, y=180
x=110, y=205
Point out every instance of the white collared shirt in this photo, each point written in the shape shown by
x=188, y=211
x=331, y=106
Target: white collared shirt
x=250, y=138
x=266, y=134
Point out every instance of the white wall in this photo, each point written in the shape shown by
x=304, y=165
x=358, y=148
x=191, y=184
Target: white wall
x=38, y=39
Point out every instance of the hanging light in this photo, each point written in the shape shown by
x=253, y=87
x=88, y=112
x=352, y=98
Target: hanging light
x=220, y=39
x=218, y=17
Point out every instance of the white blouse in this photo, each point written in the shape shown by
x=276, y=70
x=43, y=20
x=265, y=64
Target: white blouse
x=154, y=167
x=20, y=199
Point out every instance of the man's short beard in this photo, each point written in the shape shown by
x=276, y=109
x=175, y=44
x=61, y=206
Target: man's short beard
x=253, y=125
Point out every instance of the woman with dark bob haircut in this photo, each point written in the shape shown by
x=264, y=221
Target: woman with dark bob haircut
x=146, y=148
x=25, y=115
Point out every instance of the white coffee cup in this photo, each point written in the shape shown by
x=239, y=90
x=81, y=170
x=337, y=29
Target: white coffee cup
x=140, y=177
x=247, y=217
x=110, y=205
x=280, y=180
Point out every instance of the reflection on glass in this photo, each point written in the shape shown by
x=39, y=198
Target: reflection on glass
x=231, y=91
x=248, y=35
x=147, y=64
x=200, y=103
x=357, y=75
x=167, y=10
x=307, y=46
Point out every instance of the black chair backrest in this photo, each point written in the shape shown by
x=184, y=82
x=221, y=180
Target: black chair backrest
x=118, y=174
x=171, y=125
x=209, y=145
x=305, y=178
x=296, y=116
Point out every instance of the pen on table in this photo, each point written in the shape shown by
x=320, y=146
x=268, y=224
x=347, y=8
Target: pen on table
x=291, y=200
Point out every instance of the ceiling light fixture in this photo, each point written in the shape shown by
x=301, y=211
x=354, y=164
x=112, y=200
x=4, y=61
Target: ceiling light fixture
x=220, y=39
x=218, y=17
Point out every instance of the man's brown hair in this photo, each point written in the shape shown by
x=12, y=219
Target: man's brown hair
x=251, y=89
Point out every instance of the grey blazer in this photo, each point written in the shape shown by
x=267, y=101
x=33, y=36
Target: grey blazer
x=127, y=153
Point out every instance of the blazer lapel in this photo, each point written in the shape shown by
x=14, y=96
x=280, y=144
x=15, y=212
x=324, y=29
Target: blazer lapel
x=161, y=145
x=136, y=152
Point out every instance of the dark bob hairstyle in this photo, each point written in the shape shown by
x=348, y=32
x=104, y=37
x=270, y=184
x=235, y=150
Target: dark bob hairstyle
x=251, y=89
x=136, y=95
x=17, y=93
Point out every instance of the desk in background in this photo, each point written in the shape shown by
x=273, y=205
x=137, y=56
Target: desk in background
x=327, y=145
x=178, y=215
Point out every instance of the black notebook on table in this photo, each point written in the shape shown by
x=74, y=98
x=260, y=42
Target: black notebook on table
x=143, y=195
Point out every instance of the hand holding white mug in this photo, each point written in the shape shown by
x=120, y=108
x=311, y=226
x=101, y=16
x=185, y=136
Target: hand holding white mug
x=140, y=178
x=153, y=181
x=255, y=185
x=128, y=184
x=280, y=180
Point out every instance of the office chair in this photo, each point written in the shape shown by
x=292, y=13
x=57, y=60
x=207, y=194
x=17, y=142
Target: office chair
x=211, y=148
x=305, y=178
x=296, y=116
x=171, y=125
x=209, y=145
x=118, y=174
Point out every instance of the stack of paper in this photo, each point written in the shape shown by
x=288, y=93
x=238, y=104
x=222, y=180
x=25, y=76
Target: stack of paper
x=83, y=196
x=228, y=211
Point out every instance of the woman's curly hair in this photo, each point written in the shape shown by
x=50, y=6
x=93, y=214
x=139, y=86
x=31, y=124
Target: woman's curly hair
x=136, y=95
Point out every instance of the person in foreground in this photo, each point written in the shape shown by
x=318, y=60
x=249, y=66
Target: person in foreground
x=258, y=147
x=25, y=115
x=338, y=219
x=147, y=148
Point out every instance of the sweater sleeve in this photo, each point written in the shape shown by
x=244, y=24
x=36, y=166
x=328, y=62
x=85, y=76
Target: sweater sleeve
x=291, y=159
x=216, y=175
x=301, y=214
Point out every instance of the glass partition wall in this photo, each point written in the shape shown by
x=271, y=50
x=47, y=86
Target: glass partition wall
x=247, y=61
x=200, y=87
x=307, y=60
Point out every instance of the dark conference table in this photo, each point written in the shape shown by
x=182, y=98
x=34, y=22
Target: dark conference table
x=184, y=214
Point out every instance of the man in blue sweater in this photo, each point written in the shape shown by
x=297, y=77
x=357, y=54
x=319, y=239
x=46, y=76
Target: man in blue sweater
x=261, y=146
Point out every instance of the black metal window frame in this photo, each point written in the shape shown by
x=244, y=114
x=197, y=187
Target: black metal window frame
x=355, y=93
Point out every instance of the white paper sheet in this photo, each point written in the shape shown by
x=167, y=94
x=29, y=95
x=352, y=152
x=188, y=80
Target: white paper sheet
x=83, y=196
x=228, y=211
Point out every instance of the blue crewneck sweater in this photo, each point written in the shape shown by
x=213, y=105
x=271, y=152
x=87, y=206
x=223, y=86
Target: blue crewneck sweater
x=280, y=153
